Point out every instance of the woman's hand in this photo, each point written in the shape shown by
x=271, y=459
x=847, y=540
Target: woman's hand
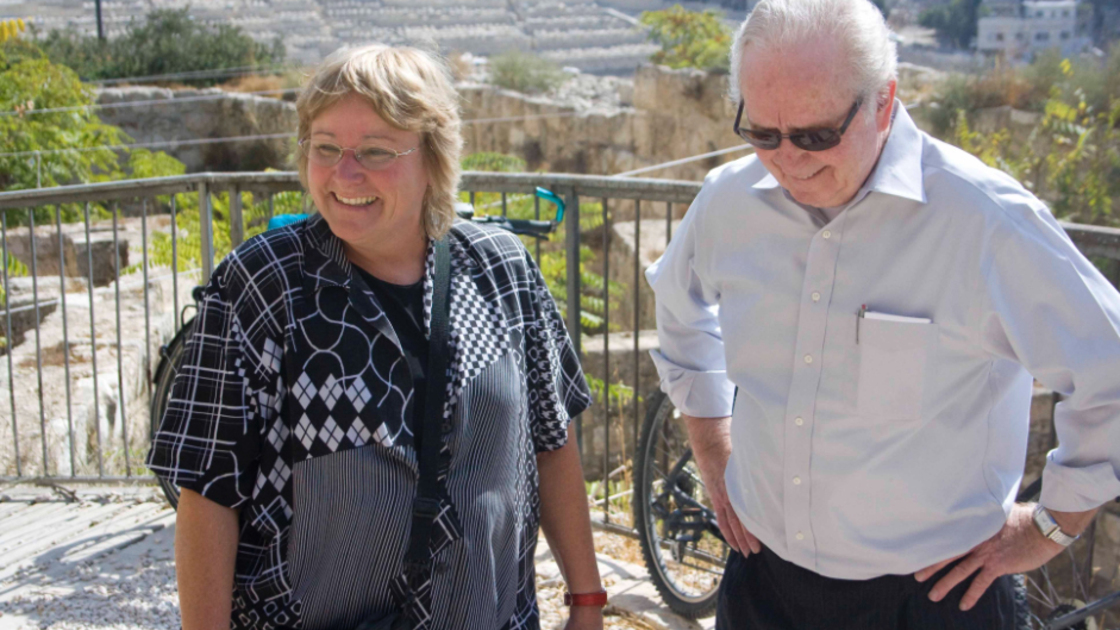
x=585, y=618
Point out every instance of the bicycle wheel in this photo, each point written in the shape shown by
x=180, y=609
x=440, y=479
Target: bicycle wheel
x=1063, y=593
x=171, y=356
x=680, y=540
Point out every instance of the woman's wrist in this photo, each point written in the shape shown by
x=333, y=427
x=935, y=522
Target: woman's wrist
x=585, y=612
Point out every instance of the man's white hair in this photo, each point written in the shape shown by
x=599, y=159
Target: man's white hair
x=858, y=26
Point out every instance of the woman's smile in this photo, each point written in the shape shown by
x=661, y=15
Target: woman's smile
x=354, y=201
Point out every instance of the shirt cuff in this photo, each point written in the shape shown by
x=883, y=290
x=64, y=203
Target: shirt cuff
x=1068, y=489
x=702, y=394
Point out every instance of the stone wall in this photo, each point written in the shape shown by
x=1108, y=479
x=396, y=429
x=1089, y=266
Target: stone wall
x=675, y=114
x=161, y=115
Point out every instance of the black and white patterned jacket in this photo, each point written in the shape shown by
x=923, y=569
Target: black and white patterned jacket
x=292, y=405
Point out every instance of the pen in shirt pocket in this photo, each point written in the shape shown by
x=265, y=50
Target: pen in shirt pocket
x=886, y=317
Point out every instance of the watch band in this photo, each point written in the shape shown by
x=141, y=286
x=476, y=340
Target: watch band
x=586, y=599
x=1049, y=527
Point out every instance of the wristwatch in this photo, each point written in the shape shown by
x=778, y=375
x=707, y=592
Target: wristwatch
x=586, y=599
x=1049, y=527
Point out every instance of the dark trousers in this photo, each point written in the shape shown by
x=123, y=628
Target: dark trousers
x=764, y=592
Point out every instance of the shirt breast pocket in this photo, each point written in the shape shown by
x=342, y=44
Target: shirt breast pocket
x=894, y=359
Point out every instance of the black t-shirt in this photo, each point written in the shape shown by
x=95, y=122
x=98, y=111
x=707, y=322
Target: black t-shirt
x=404, y=305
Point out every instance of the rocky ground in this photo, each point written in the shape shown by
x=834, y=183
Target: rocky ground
x=66, y=407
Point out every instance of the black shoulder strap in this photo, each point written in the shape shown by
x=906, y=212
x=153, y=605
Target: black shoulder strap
x=426, y=508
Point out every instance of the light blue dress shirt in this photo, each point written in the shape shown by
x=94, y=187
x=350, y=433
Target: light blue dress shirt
x=886, y=455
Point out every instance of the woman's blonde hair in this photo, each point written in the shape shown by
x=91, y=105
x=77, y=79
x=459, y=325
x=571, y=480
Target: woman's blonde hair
x=411, y=90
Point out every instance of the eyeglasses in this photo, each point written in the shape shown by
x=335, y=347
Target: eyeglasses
x=808, y=140
x=327, y=155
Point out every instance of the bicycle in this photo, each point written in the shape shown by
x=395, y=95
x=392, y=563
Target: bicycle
x=685, y=551
x=171, y=354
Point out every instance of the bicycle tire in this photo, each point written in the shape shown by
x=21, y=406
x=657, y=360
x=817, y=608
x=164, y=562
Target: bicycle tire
x=1064, y=586
x=171, y=357
x=664, y=436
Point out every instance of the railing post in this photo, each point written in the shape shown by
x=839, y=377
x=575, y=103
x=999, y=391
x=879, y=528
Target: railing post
x=38, y=169
x=8, y=336
x=574, y=309
x=236, y=224
x=206, y=231
x=606, y=362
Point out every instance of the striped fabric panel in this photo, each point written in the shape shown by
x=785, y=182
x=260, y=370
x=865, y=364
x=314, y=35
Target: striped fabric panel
x=352, y=506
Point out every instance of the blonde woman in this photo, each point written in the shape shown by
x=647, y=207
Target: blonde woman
x=294, y=423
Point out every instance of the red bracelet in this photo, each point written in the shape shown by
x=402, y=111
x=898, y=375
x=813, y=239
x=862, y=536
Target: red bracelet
x=586, y=599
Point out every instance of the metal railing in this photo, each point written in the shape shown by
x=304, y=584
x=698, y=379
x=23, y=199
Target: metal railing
x=629, y=209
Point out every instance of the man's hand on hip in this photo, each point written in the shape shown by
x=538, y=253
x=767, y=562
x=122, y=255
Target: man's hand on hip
x=1016, y=548
x=711, y=445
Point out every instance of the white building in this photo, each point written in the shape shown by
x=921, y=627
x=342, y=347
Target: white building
x=1017, y=29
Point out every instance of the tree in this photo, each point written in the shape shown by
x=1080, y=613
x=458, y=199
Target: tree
x=689, y=39
x=955, y=22
x=45, y=108
x=29, y=83
x=882, y=6
x=165, y=42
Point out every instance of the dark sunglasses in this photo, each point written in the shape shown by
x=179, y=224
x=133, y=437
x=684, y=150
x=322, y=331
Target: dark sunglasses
x=808, y=140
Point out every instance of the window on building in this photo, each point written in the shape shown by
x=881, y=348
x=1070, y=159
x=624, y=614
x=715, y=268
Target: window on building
x=1042, y=36
x=999, y=37
x=1065, y=35
x=1018, y=37
x=1065, y=13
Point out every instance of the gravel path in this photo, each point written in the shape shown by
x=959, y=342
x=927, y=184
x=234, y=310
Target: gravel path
x=105, y=561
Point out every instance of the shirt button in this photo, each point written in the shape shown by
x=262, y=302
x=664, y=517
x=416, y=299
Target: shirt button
x=797, y=481
x=800, y=536
x=827, y=234
x=798, y=421
x=816, y=296
x=808, y=358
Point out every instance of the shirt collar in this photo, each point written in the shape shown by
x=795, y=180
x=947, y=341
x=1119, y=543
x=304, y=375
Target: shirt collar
x=899, y=170
x=326, y=264
x=766, y=183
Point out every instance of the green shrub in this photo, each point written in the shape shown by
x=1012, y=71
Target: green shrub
x=689, y=39
x=1028, y=88
x=525, y=72
x=166, y=41
x=493, y=163
x=1071, y=158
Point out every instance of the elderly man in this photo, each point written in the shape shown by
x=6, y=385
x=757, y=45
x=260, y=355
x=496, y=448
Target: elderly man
x=874, y=303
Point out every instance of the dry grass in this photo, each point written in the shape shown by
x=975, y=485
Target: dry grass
x=289, y=80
